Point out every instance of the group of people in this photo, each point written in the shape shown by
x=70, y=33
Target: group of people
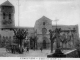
x=13, y=49
x=41, y=49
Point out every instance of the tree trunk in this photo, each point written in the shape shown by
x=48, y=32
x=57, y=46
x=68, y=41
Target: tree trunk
x=34, y=45
x=51, y=46
x=21, y=48
x=62, y=45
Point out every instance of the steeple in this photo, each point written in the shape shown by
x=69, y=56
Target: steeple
x=6, y=3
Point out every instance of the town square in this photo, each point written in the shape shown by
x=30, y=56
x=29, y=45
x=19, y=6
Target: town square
x=50, y=35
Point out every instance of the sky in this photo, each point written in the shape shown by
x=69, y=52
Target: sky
x=66, y=11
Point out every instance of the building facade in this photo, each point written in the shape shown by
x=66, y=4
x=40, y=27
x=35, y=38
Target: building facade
x=41, y=29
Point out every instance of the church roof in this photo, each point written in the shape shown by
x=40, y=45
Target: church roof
x=65, y=27
x=30, y=29
x=44, y=18
x=6, y=3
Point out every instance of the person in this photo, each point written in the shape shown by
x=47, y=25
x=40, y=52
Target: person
x=28, y=49
x=12, y=49
x=41, y=49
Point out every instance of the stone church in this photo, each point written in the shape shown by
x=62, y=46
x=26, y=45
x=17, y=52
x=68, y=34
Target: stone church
x=40, y=29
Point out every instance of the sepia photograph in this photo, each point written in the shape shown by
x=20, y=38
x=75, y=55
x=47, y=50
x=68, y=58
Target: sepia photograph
x=40, y=28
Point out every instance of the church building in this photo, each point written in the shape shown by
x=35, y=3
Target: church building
x=40, y=29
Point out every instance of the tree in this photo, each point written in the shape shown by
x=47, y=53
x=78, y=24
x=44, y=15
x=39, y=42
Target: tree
x=33, y=42
x=52, y=38
x=3, y=41
x=77, y=46
x=63, y=40
x=58, y=52
x=20, y=34
x=0, y=41
x=69, y=38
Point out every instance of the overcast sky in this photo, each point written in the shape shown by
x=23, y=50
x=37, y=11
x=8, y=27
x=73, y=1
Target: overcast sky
x=67, y=11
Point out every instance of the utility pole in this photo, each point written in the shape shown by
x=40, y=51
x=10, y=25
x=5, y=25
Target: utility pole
x=18, y=12
x=57, y=40
x=52, y=38
x=56, y=22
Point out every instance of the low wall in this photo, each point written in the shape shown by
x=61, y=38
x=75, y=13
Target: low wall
x=72, y=53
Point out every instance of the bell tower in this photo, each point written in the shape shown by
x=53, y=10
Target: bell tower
x=7, y=15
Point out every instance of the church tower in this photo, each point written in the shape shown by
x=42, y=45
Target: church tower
x=7, y=15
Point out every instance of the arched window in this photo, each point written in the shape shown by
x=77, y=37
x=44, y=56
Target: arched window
x=43, y=23
x=9, y=16
x=44, y=30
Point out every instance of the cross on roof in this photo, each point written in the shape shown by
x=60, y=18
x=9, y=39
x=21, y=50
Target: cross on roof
x=56, y=20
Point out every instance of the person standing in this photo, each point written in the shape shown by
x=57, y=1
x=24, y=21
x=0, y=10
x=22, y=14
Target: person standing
x=28, y=49
x=41, y=49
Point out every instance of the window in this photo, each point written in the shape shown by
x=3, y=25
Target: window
x=9, y=16
x=43, y=23
x=4, y=15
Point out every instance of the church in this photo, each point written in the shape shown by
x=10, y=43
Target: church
x=40, y=29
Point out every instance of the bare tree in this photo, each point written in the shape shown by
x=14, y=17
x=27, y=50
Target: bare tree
x=52, y=38
x=33, y=41
x=20, y=34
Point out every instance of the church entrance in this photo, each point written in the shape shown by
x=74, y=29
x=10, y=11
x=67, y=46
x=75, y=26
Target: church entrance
x=44, y=44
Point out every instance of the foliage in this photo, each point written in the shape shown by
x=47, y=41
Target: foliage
x=63, y=38
x=52, y=36
x=20, y=34
x=77, y=44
